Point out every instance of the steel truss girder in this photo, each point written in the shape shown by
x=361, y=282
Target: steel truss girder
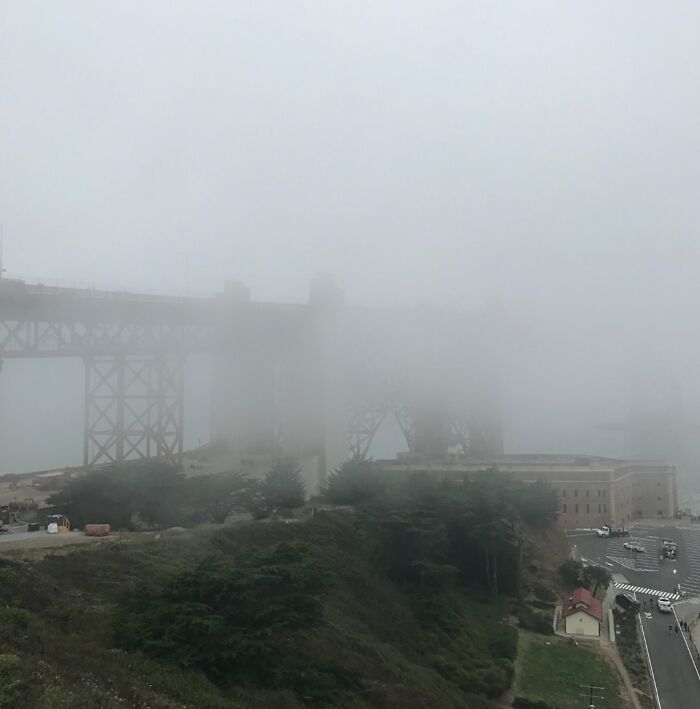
x=133, y=408
x=362, y=428
x=48, y=338
x=365, y=422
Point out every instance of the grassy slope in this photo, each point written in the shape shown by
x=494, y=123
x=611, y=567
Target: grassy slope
x=58, y=649
x=554, y=671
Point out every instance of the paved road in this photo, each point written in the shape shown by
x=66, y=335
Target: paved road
x=645, y=569
x=676, y=676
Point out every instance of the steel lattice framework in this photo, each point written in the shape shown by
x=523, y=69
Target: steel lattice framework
x=133, y=408
x=287, y=363
x=34, y=338
x=133, y=348
x=365, y=422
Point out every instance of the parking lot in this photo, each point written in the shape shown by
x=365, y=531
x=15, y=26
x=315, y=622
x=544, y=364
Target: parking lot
x=648, y=560
x=645, y=569
x=691, y=580
x=675, y=676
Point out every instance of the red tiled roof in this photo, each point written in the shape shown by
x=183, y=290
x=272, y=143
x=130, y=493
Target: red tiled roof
x=582, y=600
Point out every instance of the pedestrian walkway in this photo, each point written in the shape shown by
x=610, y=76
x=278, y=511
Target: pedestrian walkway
x=647, y=591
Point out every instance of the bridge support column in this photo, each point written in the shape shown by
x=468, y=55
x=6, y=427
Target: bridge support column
x=133, y=408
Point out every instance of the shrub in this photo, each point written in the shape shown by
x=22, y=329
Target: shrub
x=504, y=642
x=571, y=572
x=537, y=503
x=283, y=487
x=225, y=618
x=544, y=593
x=595, y=576
x=537, y=622
x=149, y=491
x=355, y=481
x=524, y=703
x=14, y=681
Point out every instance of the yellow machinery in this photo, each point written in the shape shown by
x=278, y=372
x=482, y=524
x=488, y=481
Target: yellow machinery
x=61, y=521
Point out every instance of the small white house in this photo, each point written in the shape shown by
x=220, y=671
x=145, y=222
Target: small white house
x=582, y=613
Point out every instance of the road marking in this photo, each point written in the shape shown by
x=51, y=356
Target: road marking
x=687, y=647
x=622, y=561
x=651, y=667
x=647, y=591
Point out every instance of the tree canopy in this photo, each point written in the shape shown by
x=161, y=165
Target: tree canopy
x=148, y=493
x=355, y=481
x=226, y=618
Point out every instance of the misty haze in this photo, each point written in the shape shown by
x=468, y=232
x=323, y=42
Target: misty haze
x=348, y=354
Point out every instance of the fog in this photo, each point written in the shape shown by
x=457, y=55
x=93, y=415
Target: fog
x=534, y=160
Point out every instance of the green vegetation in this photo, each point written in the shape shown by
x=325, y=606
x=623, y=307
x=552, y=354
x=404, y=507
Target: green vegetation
x=553, y=672
x=354, y=482
x=433, y=533
x=574, y=573
x=152, y=495
x=211, y=618
x=148, y=494
x=630, y=648
x=267, y=615
x=404, y=601
x=282, y=489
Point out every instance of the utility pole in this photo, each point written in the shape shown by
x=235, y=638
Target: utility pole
x=590, y=694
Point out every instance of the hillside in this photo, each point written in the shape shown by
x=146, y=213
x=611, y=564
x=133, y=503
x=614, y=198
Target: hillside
x=409, y=598
x=374, y=644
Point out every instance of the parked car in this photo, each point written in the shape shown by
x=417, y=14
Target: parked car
x=627, y=603
x=633, y=546
x=664, y=605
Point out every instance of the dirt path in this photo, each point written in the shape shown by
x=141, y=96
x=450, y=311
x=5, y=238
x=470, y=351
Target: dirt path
x=41, y=540
x=611, y=653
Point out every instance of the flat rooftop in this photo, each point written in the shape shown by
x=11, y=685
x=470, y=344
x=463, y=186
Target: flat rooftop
x=524, y=462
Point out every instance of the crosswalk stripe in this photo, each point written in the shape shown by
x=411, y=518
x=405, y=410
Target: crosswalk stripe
x=647, y=591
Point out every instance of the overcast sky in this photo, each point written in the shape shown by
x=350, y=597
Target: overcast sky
x=542, y=155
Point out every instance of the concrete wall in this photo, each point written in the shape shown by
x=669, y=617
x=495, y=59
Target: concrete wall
x=584, y=504
x=581, y=623
x=590, y=494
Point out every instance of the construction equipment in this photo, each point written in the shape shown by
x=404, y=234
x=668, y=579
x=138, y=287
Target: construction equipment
x=57, y=524
x=607, y=531
x=669, y=549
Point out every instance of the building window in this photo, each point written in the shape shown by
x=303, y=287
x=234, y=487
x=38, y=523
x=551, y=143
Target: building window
x=575, y=493
x=564, y=506
x=588, y=508
x=587, y=495
x=658, y=499
x=598, y=493
x=605, y=508
x=576, y=508
x=599, y=507
x=605, y=492
x=660, y=513
x=563, y=493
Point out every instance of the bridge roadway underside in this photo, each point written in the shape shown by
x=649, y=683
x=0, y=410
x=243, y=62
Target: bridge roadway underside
x=297, y=380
